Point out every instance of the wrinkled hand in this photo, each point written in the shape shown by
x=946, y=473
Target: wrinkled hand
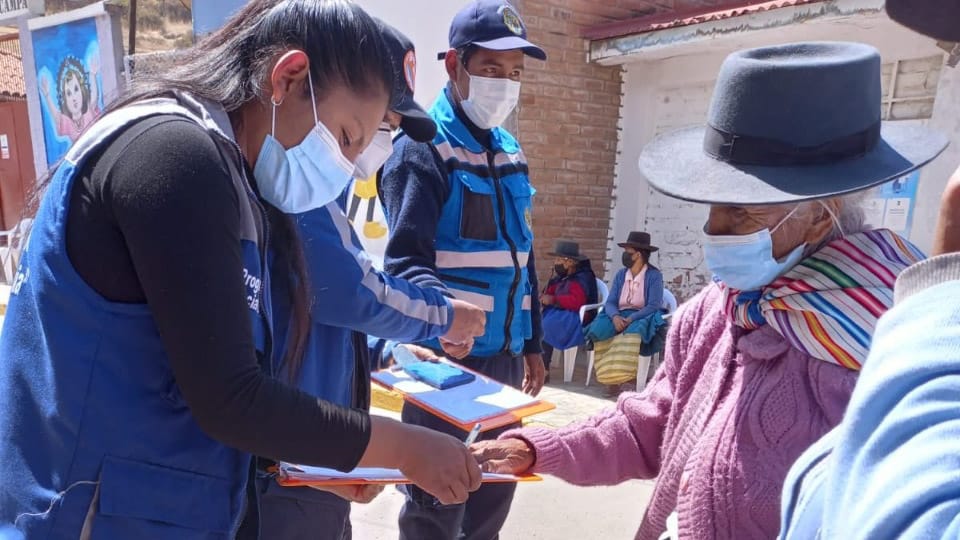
x=506, y=456
x=469, y=321
x=620, y=323
x=422, y=353
x=358, y=493
x=457, y=350
x=440, y=464
x=547, y=299
x=946, y=238
x=533, y=373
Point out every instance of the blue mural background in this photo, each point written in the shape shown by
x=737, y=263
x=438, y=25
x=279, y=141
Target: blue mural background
x=52, y=47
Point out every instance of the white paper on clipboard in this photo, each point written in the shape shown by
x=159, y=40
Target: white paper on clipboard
x=467, y=403
x=305, y=474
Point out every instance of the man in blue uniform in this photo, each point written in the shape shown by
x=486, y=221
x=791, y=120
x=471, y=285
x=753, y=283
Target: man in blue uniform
x=459, y=213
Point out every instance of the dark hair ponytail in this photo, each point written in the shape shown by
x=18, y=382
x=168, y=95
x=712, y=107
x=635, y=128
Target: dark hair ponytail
x=229, y=67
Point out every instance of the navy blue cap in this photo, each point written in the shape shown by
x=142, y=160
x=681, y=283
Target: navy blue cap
x=491, y=24
x=414, y=121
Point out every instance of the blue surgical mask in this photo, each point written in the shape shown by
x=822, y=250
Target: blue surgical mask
x=307, y=176
x=746, y=262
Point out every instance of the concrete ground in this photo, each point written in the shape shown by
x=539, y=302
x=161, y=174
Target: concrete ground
x=551, y=509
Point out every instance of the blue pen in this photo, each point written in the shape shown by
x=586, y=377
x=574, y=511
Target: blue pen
x=472, y=437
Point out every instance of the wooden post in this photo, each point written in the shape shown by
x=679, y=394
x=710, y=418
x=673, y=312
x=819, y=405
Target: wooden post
x=132, y=46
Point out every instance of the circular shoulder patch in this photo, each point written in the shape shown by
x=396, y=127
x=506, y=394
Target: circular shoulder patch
x=512, y=20
x=410, y=69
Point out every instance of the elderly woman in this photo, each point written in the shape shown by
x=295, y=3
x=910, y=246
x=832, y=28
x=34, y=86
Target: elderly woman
x=572, y=286
x=762, y=362
x=631, y=315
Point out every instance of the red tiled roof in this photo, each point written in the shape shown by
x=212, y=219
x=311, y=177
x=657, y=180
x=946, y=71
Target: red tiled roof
x=673, y=19
x=11, y=72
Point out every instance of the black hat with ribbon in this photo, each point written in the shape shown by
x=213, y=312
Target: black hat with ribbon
x=790, y=123
x=640, y=241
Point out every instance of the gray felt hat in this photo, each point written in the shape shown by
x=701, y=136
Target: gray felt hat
x=790, y=123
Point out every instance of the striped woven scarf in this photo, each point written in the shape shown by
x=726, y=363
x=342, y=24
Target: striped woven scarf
x=828, y=305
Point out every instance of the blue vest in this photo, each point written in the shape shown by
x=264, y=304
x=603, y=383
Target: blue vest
x=97, y=440
x=484, y=236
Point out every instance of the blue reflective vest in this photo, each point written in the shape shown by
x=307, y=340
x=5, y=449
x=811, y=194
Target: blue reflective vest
x=97, y=440
x=484, y=236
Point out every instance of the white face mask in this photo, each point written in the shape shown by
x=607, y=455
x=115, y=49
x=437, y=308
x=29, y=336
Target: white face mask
x=491, y=100
x=374, y=156
x=307, y=176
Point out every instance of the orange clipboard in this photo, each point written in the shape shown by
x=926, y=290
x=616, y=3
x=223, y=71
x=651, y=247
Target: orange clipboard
x=300, y=476
x=389, y=379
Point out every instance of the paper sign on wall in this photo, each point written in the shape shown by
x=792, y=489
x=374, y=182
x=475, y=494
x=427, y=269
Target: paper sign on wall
x=4, y=146
x=891, y=205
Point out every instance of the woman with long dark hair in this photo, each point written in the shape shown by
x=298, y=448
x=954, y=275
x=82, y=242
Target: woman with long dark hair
x=134, y=384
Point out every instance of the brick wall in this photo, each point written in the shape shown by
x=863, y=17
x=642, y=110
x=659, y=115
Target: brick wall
x=569, y=128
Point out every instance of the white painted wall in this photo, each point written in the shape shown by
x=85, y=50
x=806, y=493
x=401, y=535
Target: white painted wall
x=946, y=119
x=426, y=23
x=672, y=87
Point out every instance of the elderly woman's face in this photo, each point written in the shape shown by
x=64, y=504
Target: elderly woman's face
x=803, y=226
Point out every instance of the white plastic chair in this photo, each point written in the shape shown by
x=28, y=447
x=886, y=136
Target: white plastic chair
x=643, y=366
x=10, y=253
x=570, y=355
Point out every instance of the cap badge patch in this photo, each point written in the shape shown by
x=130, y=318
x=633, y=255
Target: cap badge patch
x=410, y=69
x=512, y=20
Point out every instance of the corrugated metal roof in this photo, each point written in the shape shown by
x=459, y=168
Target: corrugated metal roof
x=661, y=21
x=11, y=70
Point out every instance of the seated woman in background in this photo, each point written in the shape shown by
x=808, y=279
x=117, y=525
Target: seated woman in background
x=572, y=286
x=631, y=316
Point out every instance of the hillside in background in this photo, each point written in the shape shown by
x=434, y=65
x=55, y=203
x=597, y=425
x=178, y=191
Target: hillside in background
x=162, y=25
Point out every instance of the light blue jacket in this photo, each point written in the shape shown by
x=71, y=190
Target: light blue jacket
x=349, y=294
x=891, y=469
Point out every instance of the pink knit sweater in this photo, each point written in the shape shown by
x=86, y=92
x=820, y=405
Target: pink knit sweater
x=718, y=426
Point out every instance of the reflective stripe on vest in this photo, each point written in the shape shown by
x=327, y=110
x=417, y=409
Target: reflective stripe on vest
x=479, y=259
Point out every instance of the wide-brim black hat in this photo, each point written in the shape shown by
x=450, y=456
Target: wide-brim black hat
x=790, y=123
x=939, y=19
x=639, y=240
x=567, y=249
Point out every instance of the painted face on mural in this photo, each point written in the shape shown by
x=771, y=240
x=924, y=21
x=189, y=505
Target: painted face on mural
x=73, y=96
